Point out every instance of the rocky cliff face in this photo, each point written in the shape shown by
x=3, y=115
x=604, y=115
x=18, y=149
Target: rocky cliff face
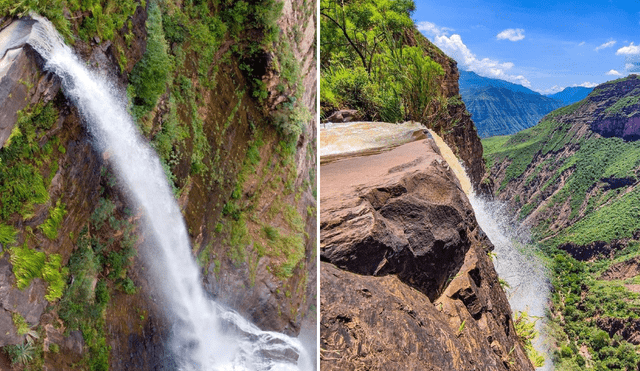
x=251, y=179
x=616, y=109
x=455, y=126
x=406, y=282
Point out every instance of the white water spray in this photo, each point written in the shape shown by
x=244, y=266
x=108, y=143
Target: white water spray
x=205, y=336
x=515, y=261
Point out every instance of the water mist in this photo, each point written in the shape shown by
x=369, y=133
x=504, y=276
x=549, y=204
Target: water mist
x=205, y=336
x=515, y=260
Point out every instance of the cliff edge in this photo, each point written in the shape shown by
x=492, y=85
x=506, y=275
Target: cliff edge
x=406, y=280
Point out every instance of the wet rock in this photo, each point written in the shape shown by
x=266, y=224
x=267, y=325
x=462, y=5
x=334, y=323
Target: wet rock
x=8, y=333
x=74, y=342
x=29, y=303
x=412, y=222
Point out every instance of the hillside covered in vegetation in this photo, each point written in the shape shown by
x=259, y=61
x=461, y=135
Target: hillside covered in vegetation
x=573, y=178
x=224, y=91
x=374, y=60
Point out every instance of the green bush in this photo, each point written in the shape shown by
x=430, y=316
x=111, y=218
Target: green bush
x=352, y=88
x=103, y=211
x=22, y=327
x=21, y=353
x=56, y=277
x=150, y=76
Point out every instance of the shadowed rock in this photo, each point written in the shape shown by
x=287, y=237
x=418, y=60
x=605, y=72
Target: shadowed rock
x=406, y=283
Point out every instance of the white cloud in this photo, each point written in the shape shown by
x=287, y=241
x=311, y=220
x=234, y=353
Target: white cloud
x=552, y=90
x=613, y=73
x=511, y=34
x=629, y=50
x=582, y=43
x=455, y=48
x=433, y=30
x=587, y=84
x=608, y=44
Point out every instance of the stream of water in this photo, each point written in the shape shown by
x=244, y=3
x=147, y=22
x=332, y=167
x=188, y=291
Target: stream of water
x=205, y=336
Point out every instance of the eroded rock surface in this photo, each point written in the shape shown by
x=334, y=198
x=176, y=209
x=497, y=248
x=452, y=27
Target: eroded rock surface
x=406, y=283
x=623, y=270
x=626, y=328
x=19, y=74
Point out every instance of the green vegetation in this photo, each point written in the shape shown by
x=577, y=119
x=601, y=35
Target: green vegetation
x=21, y=354
x=22, y=327
x=187, y=43
x=591, y=183
x=596, y=162
x=578, y=301
x=82, y=307
x=29, y=264
x=53, y=10
x=525, y=328
x=7, y=234
x=367, y=64
x=51, y=226
x=150, y=76
x=21, y=183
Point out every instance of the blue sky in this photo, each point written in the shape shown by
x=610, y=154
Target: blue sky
x=543, y=45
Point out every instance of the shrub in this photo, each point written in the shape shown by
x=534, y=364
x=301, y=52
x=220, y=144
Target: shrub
x=22, y=327
x=149, y=76
x=102, y=212
x=21, y=353
x=55, y=276
x=351, y=87
x=128, y=286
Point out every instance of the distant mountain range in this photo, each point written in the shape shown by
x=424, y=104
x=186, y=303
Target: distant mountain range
x=571, y=94
x=499, y=107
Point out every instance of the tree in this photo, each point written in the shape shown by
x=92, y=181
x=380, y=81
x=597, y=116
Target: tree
x=362, y=25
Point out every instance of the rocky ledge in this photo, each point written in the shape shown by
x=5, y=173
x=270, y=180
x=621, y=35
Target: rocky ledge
x=406, y=282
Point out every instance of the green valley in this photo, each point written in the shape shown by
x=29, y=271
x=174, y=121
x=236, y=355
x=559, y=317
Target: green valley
x=573, y=178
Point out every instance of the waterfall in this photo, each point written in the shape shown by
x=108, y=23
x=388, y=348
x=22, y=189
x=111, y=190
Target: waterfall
x=515, y=261
x=205, y=336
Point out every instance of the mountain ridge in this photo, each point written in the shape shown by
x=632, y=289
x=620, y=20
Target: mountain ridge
x=499, y=107
x=574, y=180
x=571, y=94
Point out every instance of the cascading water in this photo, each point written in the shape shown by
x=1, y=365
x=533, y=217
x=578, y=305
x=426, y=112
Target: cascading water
x=205, y=336
x=521, y=269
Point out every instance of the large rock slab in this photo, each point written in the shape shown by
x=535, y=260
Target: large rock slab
x=400, y=212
